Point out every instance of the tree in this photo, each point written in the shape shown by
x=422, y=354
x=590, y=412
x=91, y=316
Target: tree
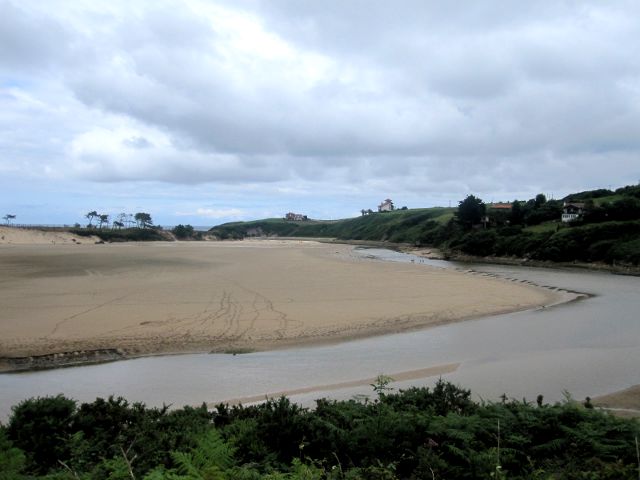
x=470, y=212
x=121, y=220
x=8, y=217
x=516, y=217
x=540, y=200
x=91, y=216
x=103, y=219
x=143, y=219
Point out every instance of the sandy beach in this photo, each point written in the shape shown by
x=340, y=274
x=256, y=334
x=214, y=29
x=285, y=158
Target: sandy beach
x=23, y=236
x=146, y=298
x=623, y=403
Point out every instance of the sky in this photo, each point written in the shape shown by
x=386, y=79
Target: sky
x=204, y=112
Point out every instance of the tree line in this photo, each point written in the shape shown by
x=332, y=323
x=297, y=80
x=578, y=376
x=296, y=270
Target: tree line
x=473, y=211
x=608, y=231
x=122, y=220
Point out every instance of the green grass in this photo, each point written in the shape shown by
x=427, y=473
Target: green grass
x=543, y=227
x=401, y=226
x=609, y=199
x=445, y=216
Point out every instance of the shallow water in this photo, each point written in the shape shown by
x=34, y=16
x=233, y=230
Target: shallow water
x=588, y=347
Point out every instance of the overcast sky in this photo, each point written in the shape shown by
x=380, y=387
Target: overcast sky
x=203, y=112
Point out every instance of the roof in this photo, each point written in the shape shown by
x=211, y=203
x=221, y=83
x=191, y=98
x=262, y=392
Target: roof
x=500, y=206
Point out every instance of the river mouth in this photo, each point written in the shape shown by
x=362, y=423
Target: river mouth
x=588, y=348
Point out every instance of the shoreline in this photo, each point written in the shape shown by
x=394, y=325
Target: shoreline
x=94, y=356
x=434, y=253
x=520, y=262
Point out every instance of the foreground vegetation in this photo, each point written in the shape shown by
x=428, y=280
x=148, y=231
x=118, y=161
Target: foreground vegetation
x=608, y=232
x=418, y=433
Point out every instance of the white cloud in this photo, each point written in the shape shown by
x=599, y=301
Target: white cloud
x=309, y=100
x=215, y=213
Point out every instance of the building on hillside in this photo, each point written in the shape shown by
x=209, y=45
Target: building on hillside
x=572, y=211
x=295, y=217
x=498, y=214
x=500, y=206
x=386, y=206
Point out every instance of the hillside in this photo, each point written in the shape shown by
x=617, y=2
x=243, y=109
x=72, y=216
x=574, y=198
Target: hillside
x=608, y=231
x=400, y=226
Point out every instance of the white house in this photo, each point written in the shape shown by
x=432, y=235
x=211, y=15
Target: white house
x=295, y=217
x=572, y=211
x=386, y=206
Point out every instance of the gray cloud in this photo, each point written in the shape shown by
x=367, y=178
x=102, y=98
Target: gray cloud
x=401, y=96
x=28, y=40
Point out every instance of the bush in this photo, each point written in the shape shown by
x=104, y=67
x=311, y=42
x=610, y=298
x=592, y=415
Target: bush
x=183, y=231
x=12, y=460
x=417, y=433
x=124, y=235
x=624, y=252
x=42, y=428
x=479, y=242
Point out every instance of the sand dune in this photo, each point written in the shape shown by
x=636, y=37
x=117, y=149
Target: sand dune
x=23, y=236
x=143, y=298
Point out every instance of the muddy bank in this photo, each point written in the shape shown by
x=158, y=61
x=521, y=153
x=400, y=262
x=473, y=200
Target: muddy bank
x=61, y=359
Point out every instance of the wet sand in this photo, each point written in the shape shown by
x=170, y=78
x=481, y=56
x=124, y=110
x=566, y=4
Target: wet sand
x=148, y=298
x=421, y=373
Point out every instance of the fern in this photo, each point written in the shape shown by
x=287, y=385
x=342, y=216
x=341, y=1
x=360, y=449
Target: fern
x=186, y=465
x=207, y=461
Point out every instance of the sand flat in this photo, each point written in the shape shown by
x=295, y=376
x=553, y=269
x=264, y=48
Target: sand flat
x=216, y=296
x=624, y=403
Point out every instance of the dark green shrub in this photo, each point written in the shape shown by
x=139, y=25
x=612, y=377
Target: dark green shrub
x=479, y=242
x=41, y=427
x=183, y=231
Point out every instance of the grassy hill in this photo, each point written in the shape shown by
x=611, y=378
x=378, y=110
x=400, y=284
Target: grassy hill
x=400, y=226
x=609, y=232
